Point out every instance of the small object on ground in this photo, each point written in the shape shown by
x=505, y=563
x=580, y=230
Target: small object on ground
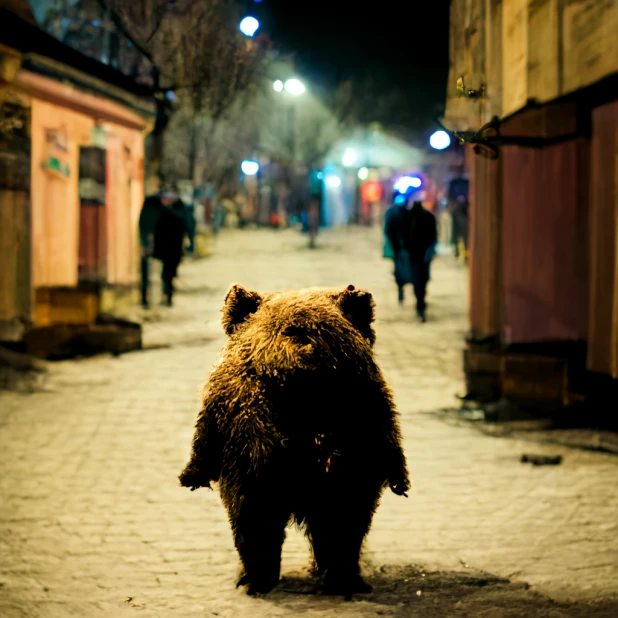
x=542, y=460
x=475, y=414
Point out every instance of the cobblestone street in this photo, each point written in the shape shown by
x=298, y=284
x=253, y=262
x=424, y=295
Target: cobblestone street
x=93, y=521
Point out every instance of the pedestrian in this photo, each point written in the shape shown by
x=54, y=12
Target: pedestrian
x=419, y=239
x=186, y=213
x=151, y=211
x=168, y=240
x=460, y=227
x=394, y=246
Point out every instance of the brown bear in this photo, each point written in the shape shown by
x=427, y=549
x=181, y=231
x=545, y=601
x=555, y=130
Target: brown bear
x=298, y=424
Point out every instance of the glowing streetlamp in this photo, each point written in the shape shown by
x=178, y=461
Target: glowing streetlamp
x=405, y=183
x=363, y=173
x=249, y=26
x=294, y=86
x=349, y=157
x=332, y=181
x=250, y=168
x=440, y=140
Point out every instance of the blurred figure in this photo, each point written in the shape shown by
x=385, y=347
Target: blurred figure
x=460, y=227
x=149, y=216
x=264, y=204
x=241, y=199
x=283, y=197
x=394, y=248
x=169, y=235
x=371, y=194
x=186, y=214
x=226, y=210
x=419, y=239
x=311, y=215
x=313, y=221
x=445, y=227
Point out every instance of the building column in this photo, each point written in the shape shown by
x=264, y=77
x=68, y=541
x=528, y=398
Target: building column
x=482, y=356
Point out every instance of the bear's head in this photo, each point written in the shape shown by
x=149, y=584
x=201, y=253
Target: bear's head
x=302, y=329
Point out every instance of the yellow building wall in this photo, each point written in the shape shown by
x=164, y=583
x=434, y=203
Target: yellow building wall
x=590, y=42
x=533, y=49
x=514, y=55
x=55, y=200
x=125, y=195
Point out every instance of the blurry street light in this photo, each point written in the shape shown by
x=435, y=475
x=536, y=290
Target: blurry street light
x=405, y=183
x=349, y=157
x=249, y=26
x=440, y=140
x=295, y=87
x=332, y=181
x=250, y=168
x=363, y=173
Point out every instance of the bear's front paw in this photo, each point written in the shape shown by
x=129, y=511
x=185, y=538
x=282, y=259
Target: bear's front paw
x=192, y=477
x=257, y=584
x=400, y=486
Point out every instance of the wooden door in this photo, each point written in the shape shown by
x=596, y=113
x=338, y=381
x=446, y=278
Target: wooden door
x=92, y=265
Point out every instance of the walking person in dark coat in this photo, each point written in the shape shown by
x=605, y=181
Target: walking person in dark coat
x=168, y=247
x=151, y=211
x=419, y=239
x=393, y=244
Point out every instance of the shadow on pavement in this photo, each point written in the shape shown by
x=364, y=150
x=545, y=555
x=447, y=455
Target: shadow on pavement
x=411, y=591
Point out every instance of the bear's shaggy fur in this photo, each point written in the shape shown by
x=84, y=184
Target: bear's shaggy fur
x=298, y=424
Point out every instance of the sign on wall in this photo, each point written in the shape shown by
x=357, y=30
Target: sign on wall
x=56, y=160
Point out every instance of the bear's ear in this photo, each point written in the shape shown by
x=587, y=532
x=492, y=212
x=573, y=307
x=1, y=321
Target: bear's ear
x=358, y=307
x=239, y=305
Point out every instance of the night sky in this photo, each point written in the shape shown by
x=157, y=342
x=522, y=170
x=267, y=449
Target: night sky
x=399, y=46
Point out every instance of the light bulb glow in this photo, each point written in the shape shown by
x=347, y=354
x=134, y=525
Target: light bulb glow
x=363, y=173
x=332, y=181
x=405, y=183
x=349, y=157
x=440, y=140
x=295, y=87
x=250, y=168
x=278, y=86
x=249, y=26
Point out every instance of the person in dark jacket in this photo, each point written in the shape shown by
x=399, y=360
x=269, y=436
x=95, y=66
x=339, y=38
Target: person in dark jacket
x=419, y=239
x=393, y=243
x=168, y=240
x=151, y=211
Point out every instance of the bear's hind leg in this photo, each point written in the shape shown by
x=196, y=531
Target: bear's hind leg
x=336, y=529
x=259, y=532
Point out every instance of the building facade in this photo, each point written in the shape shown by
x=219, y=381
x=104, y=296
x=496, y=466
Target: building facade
x=71, y=182
x=543, y=214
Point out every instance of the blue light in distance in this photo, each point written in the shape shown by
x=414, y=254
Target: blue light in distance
x=250, y=168
x=400, y=200
x=405, y=183
x=440, y=140
x=249, y=26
